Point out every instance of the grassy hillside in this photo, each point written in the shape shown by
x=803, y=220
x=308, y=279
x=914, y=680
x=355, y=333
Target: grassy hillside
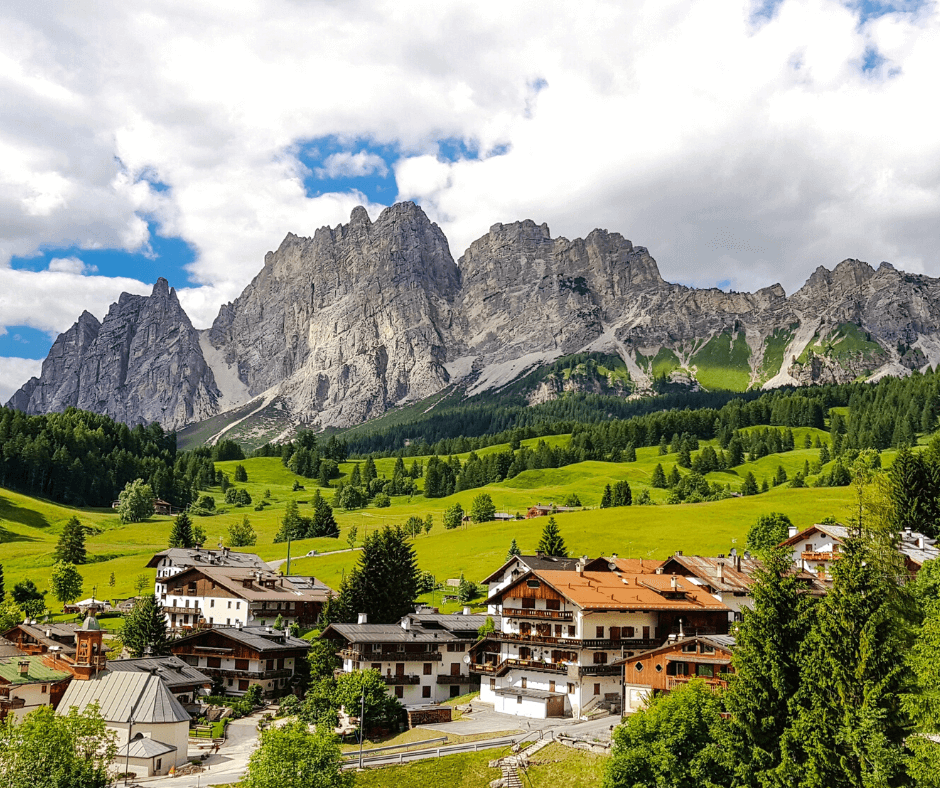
x=29, y=528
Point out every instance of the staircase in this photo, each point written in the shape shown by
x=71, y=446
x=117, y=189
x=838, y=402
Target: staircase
x=511, y=764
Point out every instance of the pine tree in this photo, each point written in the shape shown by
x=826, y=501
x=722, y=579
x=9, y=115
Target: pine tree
x=144, y=631
x=384, y=582
x=658, y=480
x=368, y=471
x=551, y=542
x=513, y=551
x=241, y=475
x=629, y=453
x=663, y=446
x=181, y=535
x=674, y=477
x=324, y=523
x=749, y=487
x=824, y=454
x=766, y=669
x=623, y=496
x=355, y=478
x=71, y=545
x=607, y=499
x=849, y=728
x=292, y=524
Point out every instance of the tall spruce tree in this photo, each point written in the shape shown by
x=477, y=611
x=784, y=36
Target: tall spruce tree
x=551, y=542
x=766, y=670
x=848, y=727
x=658, y=478
x=144, y=631
x=181, y=535
x=607, y=499
x=71, y=545
x=513, y=551
x=323, y=523
x=384, y=582
x=623, y=495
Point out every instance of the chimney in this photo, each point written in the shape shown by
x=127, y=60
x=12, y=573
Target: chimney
x=747, y=555
x=674, y=582
x=23, y=666
x=538, y=553
x=363, y=618
x=613, y=557
x=580, y=567
x=734, y=552
x=792, y=531
x=908, y=534
x=920, y=541
x=466, y=610
x=678, y=552
x=721, y=570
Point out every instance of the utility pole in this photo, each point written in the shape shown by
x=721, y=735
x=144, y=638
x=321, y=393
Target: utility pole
x=362, y=725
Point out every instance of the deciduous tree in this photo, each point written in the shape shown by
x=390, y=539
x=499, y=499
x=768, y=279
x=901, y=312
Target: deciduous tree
x=66, y=582
x=291, y=756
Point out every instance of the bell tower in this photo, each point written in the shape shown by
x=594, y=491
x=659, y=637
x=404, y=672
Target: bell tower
x=89, y=649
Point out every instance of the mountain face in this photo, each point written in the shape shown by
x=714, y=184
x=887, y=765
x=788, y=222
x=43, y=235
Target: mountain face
x=142, y=364
x=339, y=328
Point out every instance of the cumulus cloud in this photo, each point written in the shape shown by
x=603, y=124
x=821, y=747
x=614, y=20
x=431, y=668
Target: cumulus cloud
x=14, y=372
x=70, y=265
x=352, y=165
x=678, y=124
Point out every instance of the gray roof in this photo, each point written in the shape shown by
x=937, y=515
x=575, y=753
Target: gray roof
x=726, y=642
x=388, y=633
x=184, y=557
x=528, y=693
x=9, y=649
x=173, y=671
x=145, y=747
x=258, y=638
x=913, y=545
x=121, y=694
x=535, y=562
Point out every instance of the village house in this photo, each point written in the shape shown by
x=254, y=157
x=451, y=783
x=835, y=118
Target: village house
x=422, y=658
x=237, y=657
x=31, y=638
x=174, y=560
x=229, y=596
x=561, y=631
x=814, y=549
x=729, y=578
x=28, y=682
x=151, y=727
x=540, y=511
x=675, y=663
x=159, y=507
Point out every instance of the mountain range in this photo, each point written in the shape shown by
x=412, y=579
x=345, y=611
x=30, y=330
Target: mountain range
x=362, y=318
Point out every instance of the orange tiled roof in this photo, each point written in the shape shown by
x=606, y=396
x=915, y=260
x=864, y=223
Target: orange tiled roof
x=625, y=591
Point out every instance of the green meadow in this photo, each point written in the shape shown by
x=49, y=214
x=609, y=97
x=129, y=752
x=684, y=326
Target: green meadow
x=29, y=528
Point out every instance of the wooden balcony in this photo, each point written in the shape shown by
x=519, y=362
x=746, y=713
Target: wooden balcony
x=390, y=656
x=601, y=670
x=814, y=556
x=445, y=679
x=554, y=615
x=630, y=644
x=674, y=682
x=506, y=665
x=257, y=675
x=402, y=678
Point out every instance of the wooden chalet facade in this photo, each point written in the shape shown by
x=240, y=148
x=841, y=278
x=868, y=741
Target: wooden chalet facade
x=561, y=633
x=674, y=664
x=237, y=657
x=232, y=596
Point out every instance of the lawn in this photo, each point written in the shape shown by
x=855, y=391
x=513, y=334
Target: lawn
x=467, y=770
x=565, y=766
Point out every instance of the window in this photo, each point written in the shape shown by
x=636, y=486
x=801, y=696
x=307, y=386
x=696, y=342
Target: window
x=600, y=632
x=597, y=689
x=213, y=662
x=532, y=583
x=553, y=604
x=528, y=604
x=427, y=668
x=399, y=691
x=211, y=603
x=551, y=685
x=600, y=657
x=688, y=648
x=492, y=684
x=708, y=649
x=45, y=688
x=518, y=699
x=639, y=667
x=238, y=605
x=230, y=682
x=557, y=630
x=426, y=691
x=241, y=664
x=156, y=766
x=659, y=667
x=230, y=603
x=571, y=631
x=524, y=682
x=706, y=671
x=570, y=688
x=228, y=622
x=629, y=632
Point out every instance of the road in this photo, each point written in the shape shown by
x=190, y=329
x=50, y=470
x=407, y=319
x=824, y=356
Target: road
x=275, y=565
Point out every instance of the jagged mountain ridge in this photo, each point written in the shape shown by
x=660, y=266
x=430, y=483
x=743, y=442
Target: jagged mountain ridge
x=339, y=328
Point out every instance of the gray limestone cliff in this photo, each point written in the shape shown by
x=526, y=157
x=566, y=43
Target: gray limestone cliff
x=340, y=327
x=141, y=364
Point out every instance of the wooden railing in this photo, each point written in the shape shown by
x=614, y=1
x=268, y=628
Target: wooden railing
x=674, y=682
x=632, y=644
x=402, y=678
x=391, y=656
x=556, y=615
x=601, y=670
x=814, y=556
x=445, y=679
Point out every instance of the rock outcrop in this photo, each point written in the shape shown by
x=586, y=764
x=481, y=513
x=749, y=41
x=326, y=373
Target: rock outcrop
x=142, y=364
x=338, y=328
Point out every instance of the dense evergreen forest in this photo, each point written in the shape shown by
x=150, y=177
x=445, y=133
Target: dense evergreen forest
x=85, y=459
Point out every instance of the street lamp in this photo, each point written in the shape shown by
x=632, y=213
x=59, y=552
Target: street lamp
x=362, y=725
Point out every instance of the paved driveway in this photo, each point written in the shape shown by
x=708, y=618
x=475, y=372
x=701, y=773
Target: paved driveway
x=484, y=719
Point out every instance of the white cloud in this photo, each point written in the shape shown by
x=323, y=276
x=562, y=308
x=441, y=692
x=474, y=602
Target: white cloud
x=676, y=123
x=70, y=265
x=352, y=165
x=14, y=372
x=51, y=301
